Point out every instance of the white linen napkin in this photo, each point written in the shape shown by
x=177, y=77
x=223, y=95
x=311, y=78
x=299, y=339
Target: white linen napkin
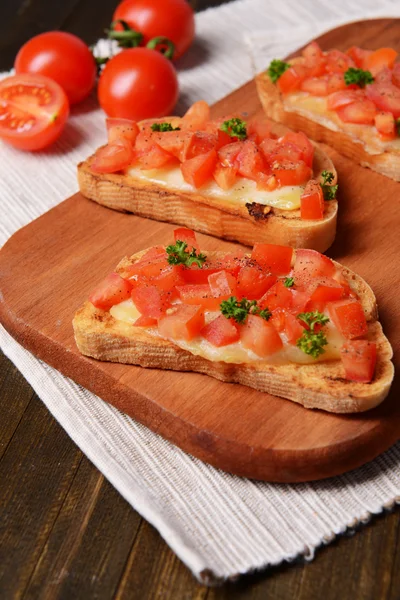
x=219, y=525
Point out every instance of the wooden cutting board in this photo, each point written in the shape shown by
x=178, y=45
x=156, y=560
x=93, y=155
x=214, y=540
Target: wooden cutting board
x=48, y=268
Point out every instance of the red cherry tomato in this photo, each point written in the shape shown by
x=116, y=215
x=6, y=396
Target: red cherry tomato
x=33, y=111
x=137, y=84
x=64, y=58
x=173, y=19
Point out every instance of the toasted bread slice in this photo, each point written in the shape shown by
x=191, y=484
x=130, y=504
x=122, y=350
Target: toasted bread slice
x=228, y=220
x=387, y=162
x=321, y=385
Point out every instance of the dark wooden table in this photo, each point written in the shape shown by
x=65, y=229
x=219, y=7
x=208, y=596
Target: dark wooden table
x=64, y=530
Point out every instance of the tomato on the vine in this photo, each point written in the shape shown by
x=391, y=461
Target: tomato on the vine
x=33, y=111
x=173, y=19
x=64, y=58
x=137, y=84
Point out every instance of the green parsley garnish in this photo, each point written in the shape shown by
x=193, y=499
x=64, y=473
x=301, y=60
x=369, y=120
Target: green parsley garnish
x=178, y=255
x=311, y=342
x=276, y=69
x=240, y=309
x=235, y=128
x=288, y=282
x=328, y=190
x=358, y=77
x=164, y=127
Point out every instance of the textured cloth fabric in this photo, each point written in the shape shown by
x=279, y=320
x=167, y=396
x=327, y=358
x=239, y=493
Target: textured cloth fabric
x=219, y=525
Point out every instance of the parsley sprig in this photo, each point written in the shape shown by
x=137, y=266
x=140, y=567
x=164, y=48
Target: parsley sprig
x=178, y=255
x=240, y=309
x=312, y=342
x=235, y=128
x=288, y=282
x=276, y=69
x=358, y=77
x=164, y=127
x=328, y=190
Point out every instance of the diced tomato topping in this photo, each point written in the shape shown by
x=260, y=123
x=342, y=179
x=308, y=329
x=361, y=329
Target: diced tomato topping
x=316, y=86
x=338, y=62
x=359, y=56
x=221, y=332
x=362, y=112
x=385, y=96
x=153, y=157
x=143, y=321
x=197, y=116
x=300, y=299
x=312, y=53
x=259, y=129
x=199, y=294
x=339, y=99
x=290, y=172
x=324, y=290
x=310, y=264
x=312, y=201
x=199, y=142
x=300, y=140
x=168, y=278
x=171, y=142
x=182, y=322
x=359, y=360
x=291, y=79
x=293, y=328
x=384, y=57
x=278, y=296
x=269, y=147
x=150, y=300
x=260, y=336
x=149, y=265
x=225, y=177
x=188, y=236
x=349, y=317
x=272, y=257
x=266, y=182
x=384, y=76
x=277, y=319
x=228, y=154
x=222, y=284
x=396, y=75
x=253, y=282
x=386, y=125
x=336, y=83
x=113, y=157
x=112, y=290
x=250, y=160
x=121, y=128
x=198, y=170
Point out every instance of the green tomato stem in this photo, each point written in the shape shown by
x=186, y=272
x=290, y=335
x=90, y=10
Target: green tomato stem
x=163, y=44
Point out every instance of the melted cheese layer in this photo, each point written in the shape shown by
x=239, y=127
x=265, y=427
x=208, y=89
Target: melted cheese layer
x=244, y=190
x=236, y=353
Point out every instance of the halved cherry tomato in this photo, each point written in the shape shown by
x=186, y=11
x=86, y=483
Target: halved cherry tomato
x=197, y=116
x=272, y=257
x=359, y=360
x=182, y=322
x=278, y=296
x=301, y=141
x=291, y=79
x=222, y=284
x=312, y=201
x=290, y=172
x=385, y=96
x=384, y=57
x=253, y=282
x=121, y=128
x=310, y=264
x=225, y=177
x=221, y=332
x=362, y=112
x=33, y=111
x=198, y=170
x=386, y=125
x=112, y=290
x=342, y=98
x=349, y=317
x=260, y=336
x=316, y=86
x=188, y=236
x=113, y=157
x=150, y=300
x=200, y=295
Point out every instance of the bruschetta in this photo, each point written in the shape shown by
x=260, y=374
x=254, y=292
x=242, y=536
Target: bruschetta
x=250, y=181
x=349, y=100
x=292, y=323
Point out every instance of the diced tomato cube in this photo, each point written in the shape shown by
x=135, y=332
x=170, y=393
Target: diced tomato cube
x=188, y=236
x=396, y=75
x=324, y=290
x=259, y=129
x=278, y=296
x=198, y=143
x=277, y=319
x=253, y=282
x=386, y=97
x=168, y=278
x=291, y=79
x=359, y=360
x=113, y=157
x=197, y=116
x=274, y=258
x=199, y=170
x=221, y=332
x=143, y=321
x=285, y=150
x=266, y=182
x=222, y=284
x=150, y=300
x=225, y=177
x=349, y=317
x=342, y=98
x=199, y=294
x=309, y=264
x=250, y=160
x=260, y=336
x=312, y=201
x=312, y=53
x=153, y=157
x=301, y=141
x=316, y=86
x=121, y=128
x=171, y=142
x=338, y=62
x=293, y=328
x=149, y=265
x=300, y=299
x=383, y=57
x=362, y=112
x=112, y=290
x=359, y=56
x=336, y=83
x=290, y=172
x=182, y=322
x=386, y=125
x=384, y=76
x=228, y=154
x=269, y=147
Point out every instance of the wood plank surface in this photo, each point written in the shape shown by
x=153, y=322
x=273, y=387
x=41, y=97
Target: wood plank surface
x=347, y=567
